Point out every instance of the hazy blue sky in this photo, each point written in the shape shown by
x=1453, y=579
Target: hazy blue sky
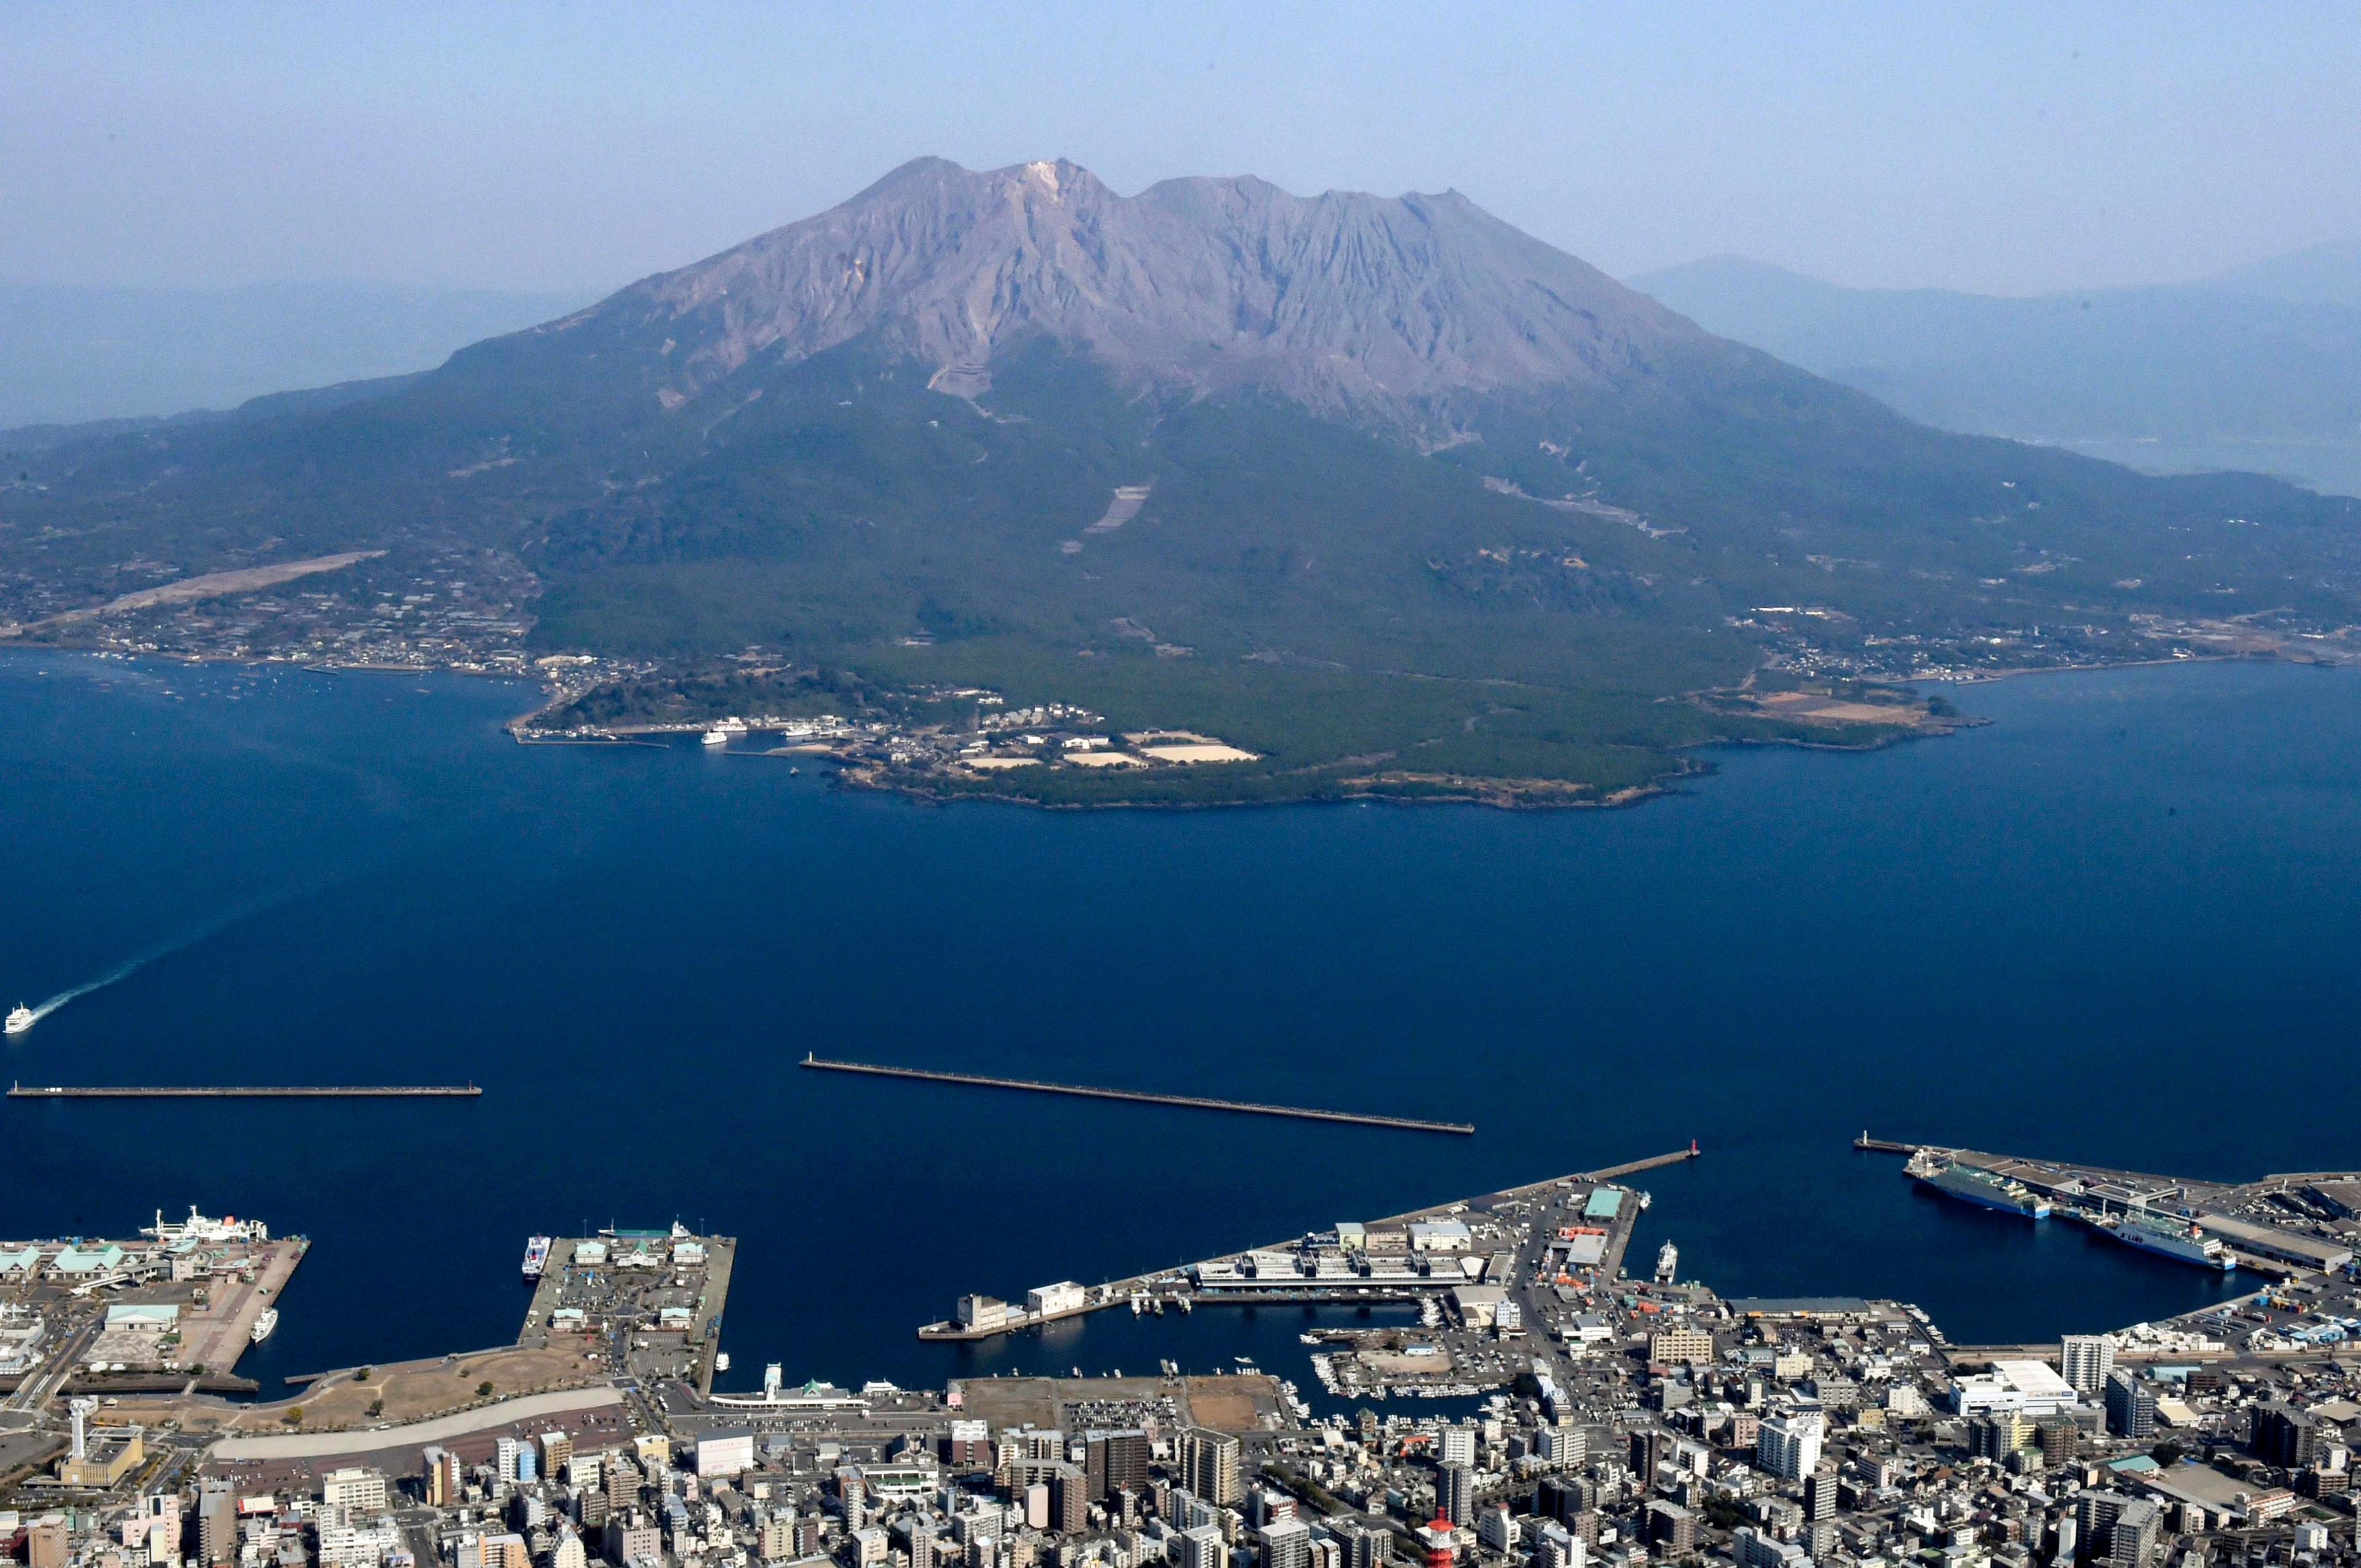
x=1984, y=146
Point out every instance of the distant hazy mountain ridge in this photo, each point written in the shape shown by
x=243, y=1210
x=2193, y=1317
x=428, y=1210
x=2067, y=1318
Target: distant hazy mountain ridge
x=70, y=353
x=2260, y=368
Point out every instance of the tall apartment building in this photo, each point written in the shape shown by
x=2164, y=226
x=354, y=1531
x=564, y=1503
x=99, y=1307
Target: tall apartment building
x=2084, y=1360
x=1114, y=1461
x=1789, y=1445
x=1209, y=1465
x=1070, y=1500
x=217, y=1519
x=1200, y=1547
x=1285, y=1543
x=1363, y=1545
x=2131, y=1405
x=1671, y=1527
x=1454, y=1494
x=2118, y=1531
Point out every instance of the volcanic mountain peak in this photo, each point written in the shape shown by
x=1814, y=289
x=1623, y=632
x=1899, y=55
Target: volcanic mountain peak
x=1343, y=302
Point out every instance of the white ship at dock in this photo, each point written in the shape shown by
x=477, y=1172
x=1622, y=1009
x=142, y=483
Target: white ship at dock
x=205, y=1231
x=2171, y=1236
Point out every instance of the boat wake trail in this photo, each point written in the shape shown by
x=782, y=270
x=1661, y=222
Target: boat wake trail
x=127, y=968
x=170, y=945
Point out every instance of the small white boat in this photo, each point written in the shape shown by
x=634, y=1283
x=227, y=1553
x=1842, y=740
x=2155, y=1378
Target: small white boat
x=264, y=1325
x=721, y=1361
x=716, y=736
x=20, y=1020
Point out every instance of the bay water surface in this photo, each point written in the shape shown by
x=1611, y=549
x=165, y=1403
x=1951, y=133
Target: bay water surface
x=2120, y=923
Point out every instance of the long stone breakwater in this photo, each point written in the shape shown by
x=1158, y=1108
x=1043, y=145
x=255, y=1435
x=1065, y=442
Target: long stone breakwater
x=247, y=1091
x=1244, y=1107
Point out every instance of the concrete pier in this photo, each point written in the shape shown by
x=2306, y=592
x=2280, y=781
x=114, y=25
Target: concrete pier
x=250, y=1091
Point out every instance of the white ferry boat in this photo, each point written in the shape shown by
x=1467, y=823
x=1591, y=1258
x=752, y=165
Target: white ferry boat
x=537, y=1255
x=2174, y=1237
x=264, y=1325
x=716, y=736
x=206, y=1231
x=1972, y=1184
x=19, y=1020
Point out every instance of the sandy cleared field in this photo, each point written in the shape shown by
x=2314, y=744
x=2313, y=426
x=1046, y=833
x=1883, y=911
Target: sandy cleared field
x=1199, y=751
x=214, y=584
x=1104, y=759
x=1829, y=710
x=995, y=764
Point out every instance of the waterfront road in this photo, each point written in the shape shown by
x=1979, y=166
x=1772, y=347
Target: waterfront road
x=322, y=1445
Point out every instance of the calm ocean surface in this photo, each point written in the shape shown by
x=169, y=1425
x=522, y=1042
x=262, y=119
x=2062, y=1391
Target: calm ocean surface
x=2119, y=924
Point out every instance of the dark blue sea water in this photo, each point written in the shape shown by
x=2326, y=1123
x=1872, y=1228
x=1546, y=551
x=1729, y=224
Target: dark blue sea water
x=2119, y=924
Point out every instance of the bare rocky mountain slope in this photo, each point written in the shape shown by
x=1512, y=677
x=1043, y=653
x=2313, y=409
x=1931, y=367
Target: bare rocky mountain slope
x=1401, y=308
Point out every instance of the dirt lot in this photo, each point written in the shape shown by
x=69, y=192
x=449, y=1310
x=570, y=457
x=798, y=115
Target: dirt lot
x=1236, y=1402
x=1247, y=1402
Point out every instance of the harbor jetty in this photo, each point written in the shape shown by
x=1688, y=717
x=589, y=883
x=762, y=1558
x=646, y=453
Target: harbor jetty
x=1244, y=1107
x=1594, y=1210
x=246, y=1091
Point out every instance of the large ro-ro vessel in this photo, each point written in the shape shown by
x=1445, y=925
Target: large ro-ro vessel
x=1972, y=1184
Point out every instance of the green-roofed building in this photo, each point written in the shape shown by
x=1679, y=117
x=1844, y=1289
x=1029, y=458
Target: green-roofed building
x=74, y=1260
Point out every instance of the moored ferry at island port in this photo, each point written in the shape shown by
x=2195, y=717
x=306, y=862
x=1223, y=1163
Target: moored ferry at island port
x=537, y=1255
x=20, y=1018
x=205, y=1231
x=2171, y=1236
x=1972, y=1184
x=263, y=1326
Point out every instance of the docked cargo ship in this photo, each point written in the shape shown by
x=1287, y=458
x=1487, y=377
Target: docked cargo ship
x=1972, y=1185
x=2173, y=1236
x=537, y=1256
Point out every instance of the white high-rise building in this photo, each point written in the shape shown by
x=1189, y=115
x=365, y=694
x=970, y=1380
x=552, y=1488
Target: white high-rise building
x=2086, y=1359
x=1789, y=1445
x=1200, y=1547
x=1456, y=1446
